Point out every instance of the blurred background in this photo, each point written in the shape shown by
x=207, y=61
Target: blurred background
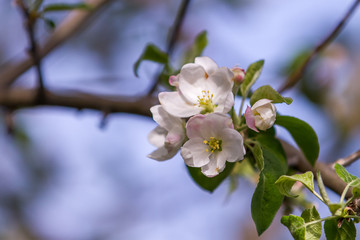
x=62, y=177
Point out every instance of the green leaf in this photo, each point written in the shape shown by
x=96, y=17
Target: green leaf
x=285, y=183
x=344, y=174
x=65, y=7
x=298, y=228
x=210, y=184
x=267, y=200
x=295, y=224
x=303, y=134
x=151, y=53
x=313, y=231
x=348, y=178
x=269, y=93
x=322, y=188
x=333, y=207
x=258, y=155
x=346, y=232
x=252, y=74
x=197, y=48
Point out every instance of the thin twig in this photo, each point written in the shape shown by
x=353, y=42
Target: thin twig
x=71, y=25
x=297, y=74
x=30, y=23
x=349, y=159
x=174, y=36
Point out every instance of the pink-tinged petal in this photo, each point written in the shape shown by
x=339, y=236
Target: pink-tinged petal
x=250, y=119
x=194, y=153
x=164, y=150
x=197, y=127
x=174, y=81
x=206, y=126
x=215, y=166
x=157, y=136
x=232, y=145
x=175, y=104
x=164, y=119
x=207, y=63
x=175, y=137
x=261, y=102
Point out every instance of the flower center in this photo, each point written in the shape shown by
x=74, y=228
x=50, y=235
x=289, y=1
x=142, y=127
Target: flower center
x=206, y=102
x=214, y=144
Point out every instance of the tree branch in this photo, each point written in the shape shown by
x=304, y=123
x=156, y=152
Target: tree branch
x=173, y=37
x=25, y=98
x=71, y=25
x=298, y=73
x=30, y=23
x=349, y=159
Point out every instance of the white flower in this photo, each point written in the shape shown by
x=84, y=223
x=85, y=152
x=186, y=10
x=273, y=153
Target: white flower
x=212, y=141
x=261, y=115
x=202, y=87
x=168, y=136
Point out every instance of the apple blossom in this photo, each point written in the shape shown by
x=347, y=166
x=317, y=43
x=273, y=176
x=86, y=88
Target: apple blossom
x=202, y=87
x=261, y=115
x=212, y=141
x=168, y=136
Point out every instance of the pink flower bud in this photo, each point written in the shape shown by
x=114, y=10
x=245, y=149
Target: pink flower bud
x=239, y=74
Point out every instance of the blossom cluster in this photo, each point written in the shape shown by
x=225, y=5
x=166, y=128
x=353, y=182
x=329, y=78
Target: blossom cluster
x=194, y=118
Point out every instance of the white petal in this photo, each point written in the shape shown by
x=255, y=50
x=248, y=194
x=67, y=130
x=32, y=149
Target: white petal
x=163, y=153
x=215, y=166
x=232, y=145
x=175, y=104
x=260, y=102
x=164, y=119
x=207, y=63
x=157, y=136
x=194, y=153
x=226, y=106
x=192, y=82
x=220, y=82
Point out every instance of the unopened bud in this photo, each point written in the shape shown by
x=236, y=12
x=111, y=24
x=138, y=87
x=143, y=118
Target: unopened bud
x=239, y=75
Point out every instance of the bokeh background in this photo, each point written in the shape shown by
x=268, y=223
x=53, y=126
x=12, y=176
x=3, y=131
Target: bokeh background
x=62, y=177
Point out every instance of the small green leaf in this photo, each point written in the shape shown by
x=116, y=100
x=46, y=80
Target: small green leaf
x=65, y=7
x=267, y=200
x=346, y=232
x=295, y=224
x=322, y=188
x=151, y=53
x=303, y=134
x=333, y=207
x=269, y=93
x=258, y=155
x=313, y=231
x=197, y=48
x=344, y=174
x=298, y=228
x=252, y=74
x=285, y=183
x=210, y=184
x=348, y=178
